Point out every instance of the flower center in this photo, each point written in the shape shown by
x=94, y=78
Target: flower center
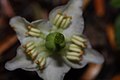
x=55, y=41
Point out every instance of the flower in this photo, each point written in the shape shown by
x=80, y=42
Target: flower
x=52, y=47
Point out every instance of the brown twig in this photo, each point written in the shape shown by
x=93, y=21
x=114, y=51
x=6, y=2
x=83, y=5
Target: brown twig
x=111, y=35
x=99, y=6
x=8, y=42
x=7, y=8
x=92, y=71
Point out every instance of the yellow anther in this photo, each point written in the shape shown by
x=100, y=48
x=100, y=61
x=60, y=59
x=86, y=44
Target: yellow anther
x=78, y=42
x=63, y=23
x=29, y=44
x=33, y=34
x=68, y=20
x=42, y=63
x=40, y=60
x=29, y=27
x=59, y=21
x=79, y=38
x=73, y=58
x=74, y=45
x=34, y=55
x=35, y=30
x=73, y=54
x=74, y=49
x=56, y=18
x=29, y=53
x=30, y=48
x=32, y=51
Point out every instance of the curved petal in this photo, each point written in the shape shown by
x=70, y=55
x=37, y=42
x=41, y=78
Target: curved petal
x=55, y=71
x=19, y=24
x=93, y=56
x=21, y=61
x=73, y=9
x=42, y=25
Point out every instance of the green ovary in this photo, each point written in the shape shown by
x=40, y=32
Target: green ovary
x=55, y=41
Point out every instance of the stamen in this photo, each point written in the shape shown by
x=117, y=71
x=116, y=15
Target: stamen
x=73, y=58
x=29, y=27
x=40, y=60
x=30, y=48
x=59, y=20
x=32, y=51
x=68, y=20
x=34, y=55
x=75, y=49
x=33, y=34
x=78, y=42
x=73, y=54
x=35, y=30
x=79, y=38
x=74, y=45
x=56, y=18
x=28, y=53
x=29, y=44
x=42, y=63
x=63, y=23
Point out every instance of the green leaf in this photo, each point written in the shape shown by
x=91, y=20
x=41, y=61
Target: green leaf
x=117, y=31
x=115, y=3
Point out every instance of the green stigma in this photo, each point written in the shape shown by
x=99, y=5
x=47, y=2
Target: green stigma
x=55, y=41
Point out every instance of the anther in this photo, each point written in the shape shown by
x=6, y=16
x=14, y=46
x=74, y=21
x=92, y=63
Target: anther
x=33, y=34
x=29, y=44
x=40, y=60
x=74, y=49
x=30, y=48
x=73, y=58
x=59, y=20
x=68, y=20
x=63, y=23
x=29, y=27
x=56, y=18
x=34, y=55
x=78, y=42
x=74, y=45
x=73, y=54
x=42, y=63
x=32, y=51
x=35, y=30
x=79, y=38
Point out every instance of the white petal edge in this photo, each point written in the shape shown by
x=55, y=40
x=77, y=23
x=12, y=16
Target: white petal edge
x=19, y=24
x=55, y=70
x=21, y=61
x=74, y=9
x=43, y=25
x=93, y=56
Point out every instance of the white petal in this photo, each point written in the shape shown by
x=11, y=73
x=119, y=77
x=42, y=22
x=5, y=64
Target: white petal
x=19, y=24
x=73, y=8
x=55, y=70
x=81, y=64
x=21, y=61
x=93, y=56
x=42, y=25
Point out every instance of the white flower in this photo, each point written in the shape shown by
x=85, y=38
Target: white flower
x=52, y=47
